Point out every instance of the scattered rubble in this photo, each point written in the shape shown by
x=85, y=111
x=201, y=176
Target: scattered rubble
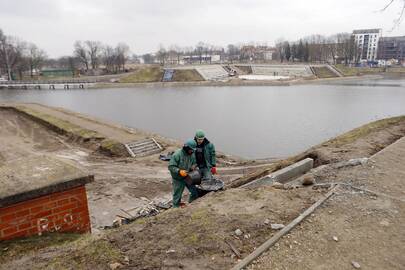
x=277, y=226
x=351, y=163
x=356, y=265
x=114, y=266
x=308, y=179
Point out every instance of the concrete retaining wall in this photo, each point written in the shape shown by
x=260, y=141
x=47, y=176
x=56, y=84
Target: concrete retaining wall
x=285, y=174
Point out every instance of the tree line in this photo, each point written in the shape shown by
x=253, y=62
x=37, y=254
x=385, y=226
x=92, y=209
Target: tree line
x=320, y=49
x=90, y=57
x=17, y=56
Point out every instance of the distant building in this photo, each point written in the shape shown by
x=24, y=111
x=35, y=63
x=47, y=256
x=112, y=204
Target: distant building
x=391, y=48
x=367, y=43
x=199, y=59
x=257, y=53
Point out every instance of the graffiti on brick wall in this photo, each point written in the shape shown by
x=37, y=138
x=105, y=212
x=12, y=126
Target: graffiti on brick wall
x=46, y=225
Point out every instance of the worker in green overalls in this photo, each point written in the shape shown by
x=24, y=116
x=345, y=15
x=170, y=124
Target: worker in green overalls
x=205, y=156
x=182, y=162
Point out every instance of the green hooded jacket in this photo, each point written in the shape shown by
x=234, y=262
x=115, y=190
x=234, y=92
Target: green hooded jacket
x=209, y=154
x=181, y=161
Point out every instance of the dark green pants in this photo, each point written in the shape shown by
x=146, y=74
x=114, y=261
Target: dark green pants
x=206, y=174
x=178, y=188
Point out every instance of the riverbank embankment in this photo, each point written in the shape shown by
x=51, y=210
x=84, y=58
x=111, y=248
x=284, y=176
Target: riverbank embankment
x=216, y=230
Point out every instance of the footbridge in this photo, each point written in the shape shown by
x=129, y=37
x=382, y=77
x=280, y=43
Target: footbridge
x=52, y=85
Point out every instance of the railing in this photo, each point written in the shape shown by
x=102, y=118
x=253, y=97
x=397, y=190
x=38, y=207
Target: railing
x=47, y=82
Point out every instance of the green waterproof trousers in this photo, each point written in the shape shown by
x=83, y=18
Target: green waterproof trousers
x=206, y=174
x=178, y=188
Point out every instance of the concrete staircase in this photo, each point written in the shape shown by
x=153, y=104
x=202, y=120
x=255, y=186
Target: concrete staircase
x=212, y=72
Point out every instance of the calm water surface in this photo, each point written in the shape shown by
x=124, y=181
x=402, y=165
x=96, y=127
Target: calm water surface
x=249, y=121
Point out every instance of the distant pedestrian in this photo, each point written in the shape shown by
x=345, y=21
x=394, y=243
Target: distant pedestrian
x=205, y=156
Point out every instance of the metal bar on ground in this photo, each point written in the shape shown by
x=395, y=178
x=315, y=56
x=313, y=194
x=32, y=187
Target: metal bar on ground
x=266, y=245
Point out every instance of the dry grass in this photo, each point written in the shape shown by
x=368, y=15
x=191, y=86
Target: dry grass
x=147, y=74
x=363, y=131
x=60, y=126
x=246, y=69
x=187, y=75
x=18, y=247
x=324, y=72
x=356, y=71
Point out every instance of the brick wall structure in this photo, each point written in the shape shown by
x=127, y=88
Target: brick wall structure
x=42, y=196
x=65, y=211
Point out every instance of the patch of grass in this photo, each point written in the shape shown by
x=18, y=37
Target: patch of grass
x=66, y=128
x=61, y=125
x=324, y=72
x=86, y=253
x=246, y=69
x=356, y=71
x=147, y=74
x=363, y=131
x=187, y=75
x=18, y=247
x=113, y=147
x=396, y=70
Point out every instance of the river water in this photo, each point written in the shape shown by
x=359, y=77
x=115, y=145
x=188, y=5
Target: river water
x=248, y=121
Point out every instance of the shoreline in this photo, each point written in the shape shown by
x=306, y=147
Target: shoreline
x=301, y=81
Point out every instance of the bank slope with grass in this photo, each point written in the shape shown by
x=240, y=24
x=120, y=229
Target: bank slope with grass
x=144, y=74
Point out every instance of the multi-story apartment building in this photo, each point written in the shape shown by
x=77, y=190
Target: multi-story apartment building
x=391, y=48
x=367, y=43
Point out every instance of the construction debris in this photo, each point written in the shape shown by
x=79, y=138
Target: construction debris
x=351, y=163
x=356, y=265
x=277, y=226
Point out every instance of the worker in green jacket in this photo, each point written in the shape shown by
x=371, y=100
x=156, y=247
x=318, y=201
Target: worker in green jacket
x=182, y=162
x=205, y=155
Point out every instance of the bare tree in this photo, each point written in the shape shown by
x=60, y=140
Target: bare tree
x=36, y=58
x=81, y=53
x=400, y=17
x=162, y=55
x=11, y=54
x=148, y=58
x=93, y=51
x=109, y=59
x=177, y=51
x=122, y=53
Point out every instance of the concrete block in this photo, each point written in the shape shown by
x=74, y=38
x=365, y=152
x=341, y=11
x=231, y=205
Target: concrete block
x=284, y=175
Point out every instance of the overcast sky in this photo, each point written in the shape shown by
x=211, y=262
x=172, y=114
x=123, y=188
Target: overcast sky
x=54, y=25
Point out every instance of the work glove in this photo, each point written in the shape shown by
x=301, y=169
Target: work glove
x=183, y=173
x=214, y=170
